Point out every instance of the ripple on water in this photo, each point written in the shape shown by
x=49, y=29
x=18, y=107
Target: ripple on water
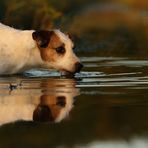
x=47, y=73
x=98, y=59
x=128, y=63
x=96, y=78
x=86, y=74
x=41, y=73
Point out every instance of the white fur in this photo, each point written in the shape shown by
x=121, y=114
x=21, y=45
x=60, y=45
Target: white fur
x=70, y=58
x=19, y=52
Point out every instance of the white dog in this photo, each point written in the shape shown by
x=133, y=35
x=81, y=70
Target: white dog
x=22, y=50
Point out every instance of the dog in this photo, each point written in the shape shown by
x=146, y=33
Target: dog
x=21, y=50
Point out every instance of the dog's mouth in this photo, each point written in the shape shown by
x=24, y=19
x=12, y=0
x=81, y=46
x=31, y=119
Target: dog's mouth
x=67, y=73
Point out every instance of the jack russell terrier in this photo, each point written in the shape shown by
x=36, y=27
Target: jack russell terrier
x=21, y=50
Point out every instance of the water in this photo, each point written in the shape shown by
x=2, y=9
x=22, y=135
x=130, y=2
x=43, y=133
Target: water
x=104, y=106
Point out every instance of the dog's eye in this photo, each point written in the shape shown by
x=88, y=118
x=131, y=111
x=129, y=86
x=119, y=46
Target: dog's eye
x=60, y=50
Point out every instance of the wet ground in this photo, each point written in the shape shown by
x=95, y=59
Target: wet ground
x=104, y=106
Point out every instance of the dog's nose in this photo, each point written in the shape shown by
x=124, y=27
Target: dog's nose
x=78, y=67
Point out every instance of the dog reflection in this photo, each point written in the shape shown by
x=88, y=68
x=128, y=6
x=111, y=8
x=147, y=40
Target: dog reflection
x=52, y=109
x=53, y=105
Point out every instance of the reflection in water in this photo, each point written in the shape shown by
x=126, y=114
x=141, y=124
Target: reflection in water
x=111, y=110
x=39, y=104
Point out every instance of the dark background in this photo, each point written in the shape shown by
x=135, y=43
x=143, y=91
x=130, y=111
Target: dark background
x=102, y=27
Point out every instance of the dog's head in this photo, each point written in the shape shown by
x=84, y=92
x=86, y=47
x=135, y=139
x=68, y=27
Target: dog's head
x=56, y=50
x=52, y=108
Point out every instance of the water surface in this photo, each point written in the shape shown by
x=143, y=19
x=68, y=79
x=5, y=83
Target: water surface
x=104, y=106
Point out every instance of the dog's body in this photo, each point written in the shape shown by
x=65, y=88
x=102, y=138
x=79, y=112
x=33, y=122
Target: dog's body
x=22, y=50
x=16, y=48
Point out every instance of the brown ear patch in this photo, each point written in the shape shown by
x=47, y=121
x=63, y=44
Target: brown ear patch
x=47, y=42
x=42, y=37
x=48, y=109
x=42, y=114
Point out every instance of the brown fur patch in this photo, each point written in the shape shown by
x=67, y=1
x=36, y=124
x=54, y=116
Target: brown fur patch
x=47, y=110
x=42, y=38
x=48, y=52
x=42, y=114
x=54, y=41
x=51, y=102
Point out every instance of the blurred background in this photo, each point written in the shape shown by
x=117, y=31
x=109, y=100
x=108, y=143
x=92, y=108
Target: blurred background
x=100, y=27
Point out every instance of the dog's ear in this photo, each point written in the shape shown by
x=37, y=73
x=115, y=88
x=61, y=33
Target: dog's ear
x=42, y=114
x=42, y=37
x=71, y=36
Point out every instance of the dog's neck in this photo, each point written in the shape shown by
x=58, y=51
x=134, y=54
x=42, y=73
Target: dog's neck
x=34, y=60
